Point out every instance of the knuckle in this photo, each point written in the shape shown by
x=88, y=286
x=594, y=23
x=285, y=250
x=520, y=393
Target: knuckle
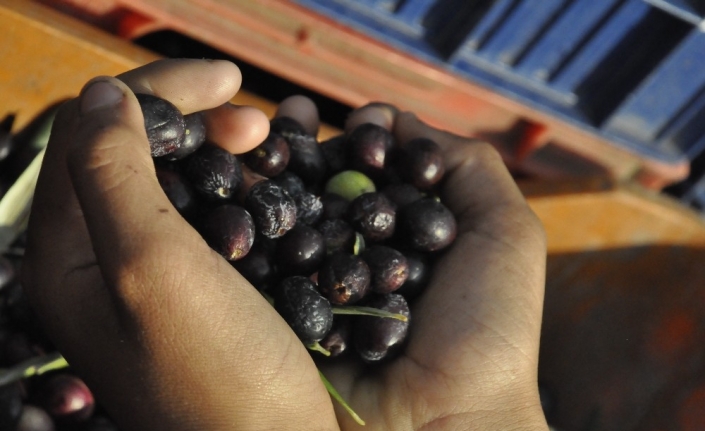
x=92, y=144
x=126, y=276
x=525, y=228
x=98, y=156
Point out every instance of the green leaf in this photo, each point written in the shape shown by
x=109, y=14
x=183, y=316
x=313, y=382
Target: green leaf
x=336, y=396
x=355, y=310
x=33, y=367
x=15, y=205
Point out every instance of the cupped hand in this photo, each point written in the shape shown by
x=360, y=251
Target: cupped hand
x=472, y=357
x=170, y=336
x=165, y=331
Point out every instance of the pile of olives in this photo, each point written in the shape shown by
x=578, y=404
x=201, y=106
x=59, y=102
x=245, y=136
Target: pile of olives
x=340, y=235
x=56, y=400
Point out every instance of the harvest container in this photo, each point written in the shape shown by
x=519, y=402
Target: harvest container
x=562, y=88
x=630, y=70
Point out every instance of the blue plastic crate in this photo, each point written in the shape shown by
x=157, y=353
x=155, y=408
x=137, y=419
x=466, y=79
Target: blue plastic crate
x=630, y=71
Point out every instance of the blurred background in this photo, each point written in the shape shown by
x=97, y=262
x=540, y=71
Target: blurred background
x=597, y=107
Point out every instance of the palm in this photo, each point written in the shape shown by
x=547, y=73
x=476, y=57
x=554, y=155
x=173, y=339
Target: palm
x=467, y=328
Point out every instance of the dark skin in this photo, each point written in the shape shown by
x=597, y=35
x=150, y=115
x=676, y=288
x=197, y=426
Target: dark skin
x=171, y=337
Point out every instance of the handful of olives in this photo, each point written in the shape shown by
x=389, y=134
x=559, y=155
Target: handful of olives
x=339, y=235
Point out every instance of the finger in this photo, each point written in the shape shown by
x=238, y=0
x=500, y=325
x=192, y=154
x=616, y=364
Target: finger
x=112, y=172
x=237, y=129
x=212, y=84
x=58, y=241
x=57, y=218
x=488, y=288
x=55, y=211
x=477, y=181
x=376, y=113
x=60, y=254
x=191, y=85
x=301, y=109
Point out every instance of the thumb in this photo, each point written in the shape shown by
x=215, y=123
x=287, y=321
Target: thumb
x=177, y=296
x=127, y=214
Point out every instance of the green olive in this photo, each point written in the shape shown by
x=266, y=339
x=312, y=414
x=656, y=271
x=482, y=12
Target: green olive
x=350, y=184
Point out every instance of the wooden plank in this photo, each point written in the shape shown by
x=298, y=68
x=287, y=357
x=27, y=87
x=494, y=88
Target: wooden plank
x=598, y=214
x=48, y=56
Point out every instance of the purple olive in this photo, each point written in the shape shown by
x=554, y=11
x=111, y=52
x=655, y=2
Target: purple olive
x=164, y=124
x=229, y=230
x=67, y=398
x=214, y=172
x=307, y=312
x=376, y=338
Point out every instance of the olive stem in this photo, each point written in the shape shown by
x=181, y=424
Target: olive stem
x=359, y=245
x=33, y=367
x=333, y=393
x=316, y=347
x=356, y=310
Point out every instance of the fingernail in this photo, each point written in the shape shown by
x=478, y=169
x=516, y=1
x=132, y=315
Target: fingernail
x=98, y=95
x=379, y=114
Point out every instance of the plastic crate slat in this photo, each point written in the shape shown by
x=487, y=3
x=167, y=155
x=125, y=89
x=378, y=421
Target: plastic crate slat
x=695, y=195
x=380, y=4
x=583, y=61
x=696, y=146
x=682, y=9
x=487, y=24
x=448, y=24
x=383, y=5
x=520, y=28
x=369, y=19
x=504, y=80
x=605, y=40
x=665, y=93
x=687, y=130
x=564, y=37
x=413, y=11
